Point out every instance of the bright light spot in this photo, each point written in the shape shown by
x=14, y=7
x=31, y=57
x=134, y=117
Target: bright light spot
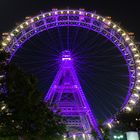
x=136, y=55
x=127, y=38
x=103, y=19
x=134, y=49
x=138, y=74
x=137, y=61
x=83, y=135
x=3, y=107
x=138, y=68
x=26, y=23
x=109, y=23
x=55, y=13
x=8, y=38
x=138, y=81
x=49, y=14
x=44, y=15
x=136, y=95
x=115, y=137
x=74, y=137
x=92, y=15
x=62, y=12
x=123, y=34
x=66, y=59
x=12, y=34
x=98, y=17
x=4, y=44
x=32, y=20
x=74, y=12
x=114, y=26
x=16, y=30
x=137, y=87
x=109, y=125
x=131, y=44
x=68, y=12
x=128, y=108
x=21, y=26
x=80, y=13
x=119, y=30
x=132, y=101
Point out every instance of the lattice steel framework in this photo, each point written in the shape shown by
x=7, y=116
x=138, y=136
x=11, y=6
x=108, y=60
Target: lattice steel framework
x=91, y=21
x=67, y=94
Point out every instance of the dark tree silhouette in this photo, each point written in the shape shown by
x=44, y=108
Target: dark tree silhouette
x=23, y=112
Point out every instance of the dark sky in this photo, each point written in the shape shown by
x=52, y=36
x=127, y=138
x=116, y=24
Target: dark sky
x=126, y=12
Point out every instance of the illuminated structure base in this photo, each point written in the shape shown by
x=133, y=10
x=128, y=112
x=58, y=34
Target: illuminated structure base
x=66, y=93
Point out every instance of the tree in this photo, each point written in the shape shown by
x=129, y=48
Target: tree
x=25, y=113
x=128, y=121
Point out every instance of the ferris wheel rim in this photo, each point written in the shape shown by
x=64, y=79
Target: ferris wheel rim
x=92, y=21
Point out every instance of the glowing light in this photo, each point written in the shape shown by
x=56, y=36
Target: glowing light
x=21, y=26
x=80, y=13
x=138, y=74
x=109, y=125
x=83, y=135
x=114, y=26
x=134, y=49
x=127, y=38
x=132, y=101
x=8, y=38
x=16, y=30
x=12, y=34
x=119, y=30
x=131, y=44
x=137, y=61
x=3, y=107
x=138, y=68
x=55, y=13
x=109, y=23
x=68, y=12
x=137, y=87
x=62, y=12
x=92, y=15
x=66, y=59
x=4, y=44
x=74, y=137
x=43, y=15
x=123, y=34
x=32, y=20
x=49, y=14
x=26, y=23
x=103, y=19
x=136, y=55
x=74, y=12
x=128, y=108
x=98, y=17
x=138, y=81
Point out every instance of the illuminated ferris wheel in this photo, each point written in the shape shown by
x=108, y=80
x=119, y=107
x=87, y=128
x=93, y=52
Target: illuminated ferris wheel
x=123, y=41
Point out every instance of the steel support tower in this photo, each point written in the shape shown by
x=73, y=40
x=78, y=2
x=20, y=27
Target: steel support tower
x=66, y=93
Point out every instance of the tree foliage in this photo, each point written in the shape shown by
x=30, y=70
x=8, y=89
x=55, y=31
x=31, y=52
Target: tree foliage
x=128, y=121
x=25, y=114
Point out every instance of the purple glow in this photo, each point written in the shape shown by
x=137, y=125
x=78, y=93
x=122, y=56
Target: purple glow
x=33, y=28
x=66, y=55
x=66, y=92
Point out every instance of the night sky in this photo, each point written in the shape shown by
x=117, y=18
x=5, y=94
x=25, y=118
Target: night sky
x=101, y=70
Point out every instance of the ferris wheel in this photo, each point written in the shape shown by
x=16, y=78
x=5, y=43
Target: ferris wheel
x=89, y=21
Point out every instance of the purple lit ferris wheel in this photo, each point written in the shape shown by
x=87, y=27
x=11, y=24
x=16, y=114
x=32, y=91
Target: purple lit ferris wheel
x=91, y=22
